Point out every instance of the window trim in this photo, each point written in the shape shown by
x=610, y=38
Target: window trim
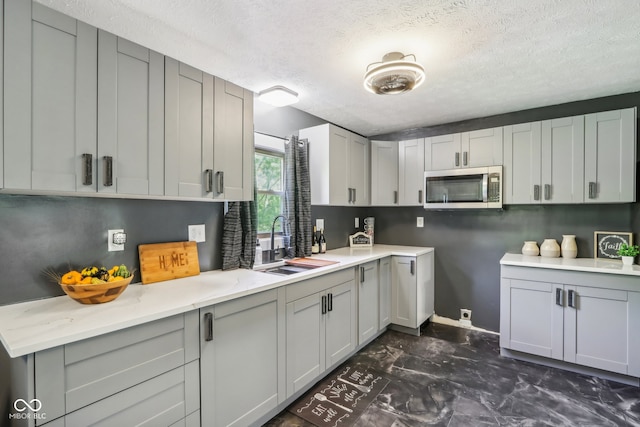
x=281, y=194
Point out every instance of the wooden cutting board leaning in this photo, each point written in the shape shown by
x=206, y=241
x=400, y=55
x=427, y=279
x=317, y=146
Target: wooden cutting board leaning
x=166, y=261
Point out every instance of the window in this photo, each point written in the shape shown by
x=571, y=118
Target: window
x=269, y=188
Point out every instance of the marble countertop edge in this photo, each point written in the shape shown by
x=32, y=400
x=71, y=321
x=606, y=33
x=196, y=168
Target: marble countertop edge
x=38, y=325
x=591, y=265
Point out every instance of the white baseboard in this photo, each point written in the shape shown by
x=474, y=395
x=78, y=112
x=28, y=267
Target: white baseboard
x=458, y=323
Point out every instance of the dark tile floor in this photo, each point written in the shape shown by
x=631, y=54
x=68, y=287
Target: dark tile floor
x=456, y=377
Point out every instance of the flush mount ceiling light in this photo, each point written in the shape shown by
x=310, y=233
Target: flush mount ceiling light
x=278, y=96
x=395, y=74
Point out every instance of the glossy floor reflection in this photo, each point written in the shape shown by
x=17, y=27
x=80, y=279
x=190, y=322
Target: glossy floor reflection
x=456, y=377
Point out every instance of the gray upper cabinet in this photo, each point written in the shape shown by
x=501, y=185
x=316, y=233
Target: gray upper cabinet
x=411, y=160
x=464, y=150
x=338, y=165
x=610, y=156
x=384, y=173
x=188, y=131
x=521, y=169
x=130, y=117
x=233, y=142
x=50, y=71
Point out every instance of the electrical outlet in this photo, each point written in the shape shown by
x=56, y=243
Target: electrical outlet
x=465, y=317
x=112, y=247
x=357, y=223
x=320, y=224
x=420, y=222
x=196, y=233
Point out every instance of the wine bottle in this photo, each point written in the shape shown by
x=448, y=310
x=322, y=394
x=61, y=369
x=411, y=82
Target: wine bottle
x=322, y=243
x=315, y=245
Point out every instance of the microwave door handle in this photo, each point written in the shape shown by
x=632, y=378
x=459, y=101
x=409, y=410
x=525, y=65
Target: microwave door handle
x=485, y=187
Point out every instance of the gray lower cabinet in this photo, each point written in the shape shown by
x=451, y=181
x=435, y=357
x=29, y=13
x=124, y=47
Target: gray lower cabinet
x=144, y=374
x=368, y=297
x=384, y=278
x=412, y=300
x=242, y=359
x=50, y=100
x=582, y=318
x=321, y=318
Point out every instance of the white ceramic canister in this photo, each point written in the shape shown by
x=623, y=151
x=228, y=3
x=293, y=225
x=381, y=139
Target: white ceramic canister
x=568, y=246
x=530, y=248
x=550, y=248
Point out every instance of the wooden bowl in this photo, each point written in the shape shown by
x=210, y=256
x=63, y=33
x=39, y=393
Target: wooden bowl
x=96, y=294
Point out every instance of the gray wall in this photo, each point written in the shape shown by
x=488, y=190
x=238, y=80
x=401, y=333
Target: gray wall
x=39, y=233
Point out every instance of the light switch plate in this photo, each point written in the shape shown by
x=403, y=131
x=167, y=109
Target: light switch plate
x=420, y=221
x=196, y=233
x=357, y=223
x=320, y=224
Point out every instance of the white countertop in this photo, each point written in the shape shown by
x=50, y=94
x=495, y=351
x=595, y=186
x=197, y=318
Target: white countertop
x=591, y=265
x=38, y=325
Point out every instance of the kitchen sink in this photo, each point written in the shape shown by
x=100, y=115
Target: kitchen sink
x=286, y=270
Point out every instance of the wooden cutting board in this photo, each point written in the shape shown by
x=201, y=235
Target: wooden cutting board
x=309, y=262
x=166, y=261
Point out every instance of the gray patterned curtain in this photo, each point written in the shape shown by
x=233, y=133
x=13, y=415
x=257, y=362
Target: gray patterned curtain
x=298, y=195
x=239, y=234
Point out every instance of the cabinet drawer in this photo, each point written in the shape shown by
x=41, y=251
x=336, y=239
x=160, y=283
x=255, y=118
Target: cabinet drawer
x=75, y=375
x=318, y=284
x=165, y=399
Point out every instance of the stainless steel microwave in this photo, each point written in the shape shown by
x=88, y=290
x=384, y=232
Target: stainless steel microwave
x=472, y=188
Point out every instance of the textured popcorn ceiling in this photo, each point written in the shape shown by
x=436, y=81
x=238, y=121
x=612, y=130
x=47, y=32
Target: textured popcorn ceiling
x=481, y=57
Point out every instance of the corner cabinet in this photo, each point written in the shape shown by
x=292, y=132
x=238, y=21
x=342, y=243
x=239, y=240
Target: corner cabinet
x=338, y=166
x=412, y=299
x=321, y=316
x=232, y=142
x=569, y=308
x=242, y=355
x=50, y=100
x=368, y=301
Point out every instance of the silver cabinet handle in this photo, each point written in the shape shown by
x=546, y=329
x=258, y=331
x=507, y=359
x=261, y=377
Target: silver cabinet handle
x=220, y=182
x=361, y=274
x=208, y=180
x=87, y=169
x=412, y=267
x=108, y=169
x=536, y=192
x=592, y=190
x=572, y=299
x=208, y=319
x=547, y=191
x=354, y=195
x=350, y=196
x=330, y=303
x=465, y=158
x=395, y=197
x=420, y=196
x=457, y=158
x=324, y=304
x=559, y=297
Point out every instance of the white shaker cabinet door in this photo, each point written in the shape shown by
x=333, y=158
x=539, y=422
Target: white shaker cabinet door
x=411, y=172
x=233, y=142
x=340, y=323
x=610, y=156
x=188, y=131
x=384, y=277
x=522, y=148
x=442, y=152
x=368, y=297
x=384, y=173
x=562, y=175
x=359, y=169
x=50, y=73
x=131, y=117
